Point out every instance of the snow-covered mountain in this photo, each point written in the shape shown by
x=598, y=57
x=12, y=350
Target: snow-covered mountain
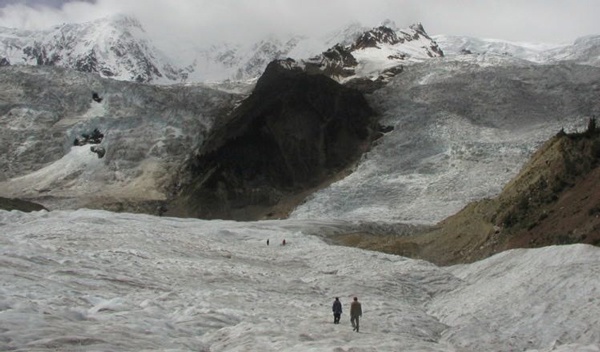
x=585, y=50
x=375, y=54
x=118, y=48
x=354, y=51
x=114, y=47
x=463, y=45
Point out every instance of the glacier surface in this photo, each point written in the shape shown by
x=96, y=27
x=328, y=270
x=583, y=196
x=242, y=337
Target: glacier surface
x=99, y=281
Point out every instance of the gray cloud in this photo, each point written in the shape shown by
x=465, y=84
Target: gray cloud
x=41, y=3
x=205, y=21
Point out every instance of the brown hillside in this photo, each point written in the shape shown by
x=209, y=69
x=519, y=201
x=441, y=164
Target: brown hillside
x=555, y=199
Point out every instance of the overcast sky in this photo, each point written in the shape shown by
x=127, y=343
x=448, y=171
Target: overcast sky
x=553, y=21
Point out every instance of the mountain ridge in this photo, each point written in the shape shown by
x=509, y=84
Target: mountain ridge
x=118, y=47
x=115, y=47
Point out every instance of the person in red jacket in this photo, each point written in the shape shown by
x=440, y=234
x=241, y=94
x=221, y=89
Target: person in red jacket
x=355, y=313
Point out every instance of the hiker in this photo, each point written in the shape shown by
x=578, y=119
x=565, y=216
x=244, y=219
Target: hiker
x=337, y=310
x=355, y=313
x=283, y=243
x=267, y=242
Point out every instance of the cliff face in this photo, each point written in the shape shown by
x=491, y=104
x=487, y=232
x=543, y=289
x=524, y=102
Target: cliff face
x=295, y=132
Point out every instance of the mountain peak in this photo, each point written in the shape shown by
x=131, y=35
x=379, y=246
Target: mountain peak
x=376, y=36
x=376, y=54
x=124, y=21
x=115, y=47
x=389, y=24
x=418, y=27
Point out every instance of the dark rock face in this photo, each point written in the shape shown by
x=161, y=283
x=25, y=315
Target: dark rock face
x=10, y=204
x=88, y=63
x=94, y=138
x=38, y=53
x=379, y=35
x=337, y=62
x=294, y=132
x=100, y=151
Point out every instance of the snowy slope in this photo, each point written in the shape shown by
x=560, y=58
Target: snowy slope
x=464, y=124
x=462, y=45
x=115, y=47
x=532, y=283
x=235, y=61
x=584, y=50
x=149, y=131
x=375, y=49
x=461, y=131
x=118, y=47
x=94, y=280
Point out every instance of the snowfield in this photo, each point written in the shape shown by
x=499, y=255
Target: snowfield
x=100, y=281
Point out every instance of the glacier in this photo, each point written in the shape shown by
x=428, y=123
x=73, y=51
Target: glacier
x=91, y=280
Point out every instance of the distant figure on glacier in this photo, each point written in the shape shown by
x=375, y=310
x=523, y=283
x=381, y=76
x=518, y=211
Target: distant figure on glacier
x=337, y=310
x=355, y=313
x=283, y=243
x=267, y=242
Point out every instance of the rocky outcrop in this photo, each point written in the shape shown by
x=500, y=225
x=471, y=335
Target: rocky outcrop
x=377, y=36
x=10, y=204
x=293, y=133
x=335, y=62
x=95, y=137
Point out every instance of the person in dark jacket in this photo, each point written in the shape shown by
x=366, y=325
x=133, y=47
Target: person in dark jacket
x=355, y=313
x=337, y=310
